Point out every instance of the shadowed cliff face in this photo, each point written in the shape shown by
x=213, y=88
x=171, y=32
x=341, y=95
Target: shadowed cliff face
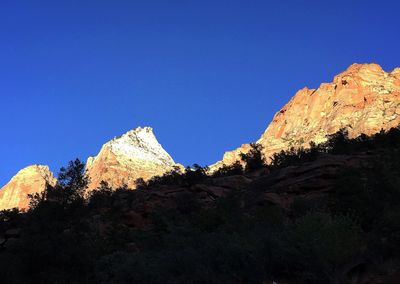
x=121, y=161
x=30, y=180
x=362, y=99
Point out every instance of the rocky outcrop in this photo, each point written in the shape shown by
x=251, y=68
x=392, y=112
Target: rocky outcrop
x=123, y=160
x=231, y=157
x=309, y=180
x=30, y=180
x=362, y=99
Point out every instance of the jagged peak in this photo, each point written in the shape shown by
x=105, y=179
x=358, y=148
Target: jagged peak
x=357, y=67
x=365, y=71
x=138, y=131
x=368, y=68
x=30, y=180
x=364, y=98
x=370, y=72
x=140, y=144
x=42, y=170
x=135, y=154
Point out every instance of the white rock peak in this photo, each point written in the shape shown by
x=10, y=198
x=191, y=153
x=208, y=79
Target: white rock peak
x=140, y=144
x=124, y=159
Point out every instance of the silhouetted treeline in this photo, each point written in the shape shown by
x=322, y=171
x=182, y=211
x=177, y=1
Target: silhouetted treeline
x=70, y=235
x=336, y=144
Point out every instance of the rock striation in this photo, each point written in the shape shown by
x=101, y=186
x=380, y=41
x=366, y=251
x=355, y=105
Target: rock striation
x=123, y=160
x=362, y=99
x=30, y=180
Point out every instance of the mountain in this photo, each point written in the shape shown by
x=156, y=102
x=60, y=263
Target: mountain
x=30, y=180
x=325, y=215
x=135, y=154
x=362, y=99
x=121, y=161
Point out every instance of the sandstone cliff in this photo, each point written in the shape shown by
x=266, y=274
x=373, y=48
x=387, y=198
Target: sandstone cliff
x=362, y=99
x=30, y=180
x=121, y=161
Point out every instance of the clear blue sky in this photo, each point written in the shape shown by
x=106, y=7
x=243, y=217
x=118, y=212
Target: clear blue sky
x=206, y=75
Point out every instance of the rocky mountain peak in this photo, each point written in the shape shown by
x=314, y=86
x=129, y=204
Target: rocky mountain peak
x=366, y=75
x=124, y=159
x=141, y=144
x=30, y=180
x=362, y=99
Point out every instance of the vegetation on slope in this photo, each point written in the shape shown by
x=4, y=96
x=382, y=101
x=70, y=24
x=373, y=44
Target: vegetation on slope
x=69, y=236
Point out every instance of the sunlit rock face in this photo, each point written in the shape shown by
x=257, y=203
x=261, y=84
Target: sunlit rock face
x=121, y=161
x=231, y=157
x=30, y=180
x=362, y=99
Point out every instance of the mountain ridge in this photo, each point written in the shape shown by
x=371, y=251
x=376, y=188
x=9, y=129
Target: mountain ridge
x=30, y=180
x=363, y=99
x=124, y=159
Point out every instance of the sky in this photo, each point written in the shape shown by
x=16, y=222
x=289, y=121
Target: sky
x=208, y=76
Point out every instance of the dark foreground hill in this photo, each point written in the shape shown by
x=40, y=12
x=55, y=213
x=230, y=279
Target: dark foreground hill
x=328, y=214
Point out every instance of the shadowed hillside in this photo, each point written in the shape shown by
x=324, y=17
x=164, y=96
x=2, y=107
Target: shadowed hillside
x=325, y=214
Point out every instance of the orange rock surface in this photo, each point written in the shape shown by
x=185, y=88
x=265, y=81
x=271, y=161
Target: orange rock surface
x=30, y=180
x=121, y=161
x=362, y=99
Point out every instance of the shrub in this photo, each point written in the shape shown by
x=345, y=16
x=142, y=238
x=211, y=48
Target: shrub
x=229, y=170
x=253, y=159
x=195, y=174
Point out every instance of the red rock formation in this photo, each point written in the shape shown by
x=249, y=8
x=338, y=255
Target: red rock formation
x=30, y=180
x=362, y=99
x=121, y=161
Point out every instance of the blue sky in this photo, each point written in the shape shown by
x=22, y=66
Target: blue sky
x=206, y=75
